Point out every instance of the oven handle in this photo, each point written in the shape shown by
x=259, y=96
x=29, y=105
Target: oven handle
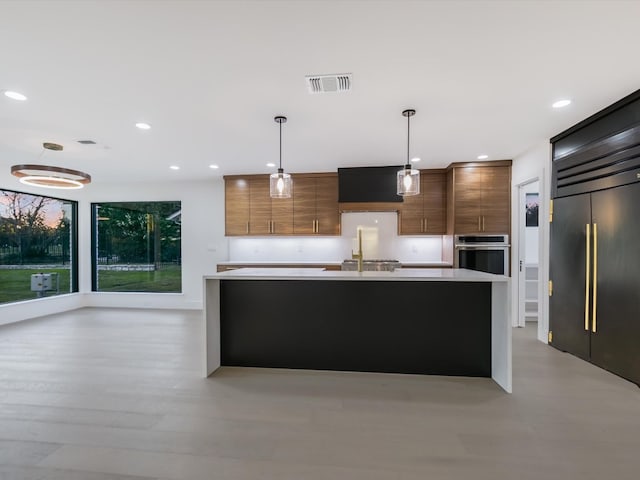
x=482, y=247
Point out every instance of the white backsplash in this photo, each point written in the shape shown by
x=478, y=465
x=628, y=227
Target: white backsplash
x=380, y=241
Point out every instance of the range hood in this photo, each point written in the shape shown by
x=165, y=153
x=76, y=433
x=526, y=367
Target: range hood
x=368, y=184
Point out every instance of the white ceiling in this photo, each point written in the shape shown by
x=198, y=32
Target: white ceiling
x=211, y=75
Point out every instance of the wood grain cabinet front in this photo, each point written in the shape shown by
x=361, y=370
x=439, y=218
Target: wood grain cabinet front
x=481, y=198
x=425, y=214
x=315, y=204
x=250, y=210
x=312, y=210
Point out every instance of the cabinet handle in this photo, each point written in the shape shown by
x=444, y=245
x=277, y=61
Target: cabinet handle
x=247, y=228
x=479, y=229
x=426, y=224
x=587, y=278
x=483, y=223
x=317, y=226
x=422, y=225
x=595, y=277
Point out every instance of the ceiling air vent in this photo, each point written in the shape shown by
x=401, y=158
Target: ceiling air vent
x=329, y=83
x=87, y=142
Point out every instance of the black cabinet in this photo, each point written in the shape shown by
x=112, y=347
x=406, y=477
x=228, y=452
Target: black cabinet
x=594, y=267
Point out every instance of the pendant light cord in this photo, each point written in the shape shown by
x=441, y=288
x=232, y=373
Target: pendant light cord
x=280, y=167
x=408, y=136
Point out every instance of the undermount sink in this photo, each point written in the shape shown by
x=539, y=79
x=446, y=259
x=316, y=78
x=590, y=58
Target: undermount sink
x=371, y=265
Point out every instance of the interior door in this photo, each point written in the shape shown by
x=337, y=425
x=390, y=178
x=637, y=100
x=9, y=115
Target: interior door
x=567, y=270
x=615, y=344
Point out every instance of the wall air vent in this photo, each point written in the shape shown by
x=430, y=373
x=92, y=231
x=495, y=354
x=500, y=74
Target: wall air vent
x=341, y=82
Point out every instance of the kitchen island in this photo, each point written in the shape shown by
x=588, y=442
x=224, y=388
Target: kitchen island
x=422, y=321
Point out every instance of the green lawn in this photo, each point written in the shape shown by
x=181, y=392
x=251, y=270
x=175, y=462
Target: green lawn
x=168, y=279
x=15, y=285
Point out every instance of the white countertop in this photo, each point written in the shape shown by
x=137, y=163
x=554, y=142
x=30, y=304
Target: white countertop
x=331, y=262
x=403, y=274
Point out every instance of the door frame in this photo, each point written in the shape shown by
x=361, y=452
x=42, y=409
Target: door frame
x=519, y=250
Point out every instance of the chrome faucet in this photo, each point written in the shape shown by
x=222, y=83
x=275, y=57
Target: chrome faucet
x=358, y=256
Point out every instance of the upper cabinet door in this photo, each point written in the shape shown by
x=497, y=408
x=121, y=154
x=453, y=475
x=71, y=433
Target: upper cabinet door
x=327, y=212
x=496, y=200
x=467, y=199
x=411, y=214
x=434, y=193
x=236, y=201
x=259, y=206
x=304, y=205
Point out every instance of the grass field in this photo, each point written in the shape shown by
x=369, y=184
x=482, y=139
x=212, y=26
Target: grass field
x=168, y=279
x=15, y=285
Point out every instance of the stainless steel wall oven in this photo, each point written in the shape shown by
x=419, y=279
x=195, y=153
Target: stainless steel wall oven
x=486, y=253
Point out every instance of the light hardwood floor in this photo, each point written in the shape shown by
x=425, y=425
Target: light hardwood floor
x=101, y=394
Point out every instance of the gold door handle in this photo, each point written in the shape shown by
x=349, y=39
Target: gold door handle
x=595, y=277
x=587, y=278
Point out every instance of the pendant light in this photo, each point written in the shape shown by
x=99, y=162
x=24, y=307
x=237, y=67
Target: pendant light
x=280, y=183
x=408, y=177
x=49, y=176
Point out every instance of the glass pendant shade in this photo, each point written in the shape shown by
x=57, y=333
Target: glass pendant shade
x=408, y=178
x=408, y=181
x=280, y=185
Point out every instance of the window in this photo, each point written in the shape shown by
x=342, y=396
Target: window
x=38, y=238
x=136, y=247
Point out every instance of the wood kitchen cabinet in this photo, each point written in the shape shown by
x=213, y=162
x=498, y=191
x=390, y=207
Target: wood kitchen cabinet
x=481, y=200
x=425, y=213
x=250, y=210
x=315, y=204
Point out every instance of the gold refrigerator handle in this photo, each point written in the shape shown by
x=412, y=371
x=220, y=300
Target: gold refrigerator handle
x=594, y=327
x=587, y=277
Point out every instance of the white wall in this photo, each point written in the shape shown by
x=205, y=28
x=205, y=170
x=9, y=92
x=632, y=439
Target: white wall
x=203, y=244
x=532, y=164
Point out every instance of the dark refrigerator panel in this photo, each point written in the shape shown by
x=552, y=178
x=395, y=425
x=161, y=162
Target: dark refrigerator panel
x=615, y=344
x=567, y=269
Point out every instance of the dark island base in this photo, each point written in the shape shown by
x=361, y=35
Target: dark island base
x=438, y=328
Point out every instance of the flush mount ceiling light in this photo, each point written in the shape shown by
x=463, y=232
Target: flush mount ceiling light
x=15, y=95
x=483, y=157
x=280, y=183
x=214, y=167
x=143, y=126
x=561, y=103
x=271, y=165
x=174, y=167
x=47, y=176
x=408, y=178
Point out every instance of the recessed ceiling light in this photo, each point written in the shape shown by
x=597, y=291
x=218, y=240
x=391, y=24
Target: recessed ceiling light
x=483, y=157
x=271, y=165
x=415, y=159
x=561, y=103
x=215, y=167
x=174, y=167
x=143, y=126
x=15, y=95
